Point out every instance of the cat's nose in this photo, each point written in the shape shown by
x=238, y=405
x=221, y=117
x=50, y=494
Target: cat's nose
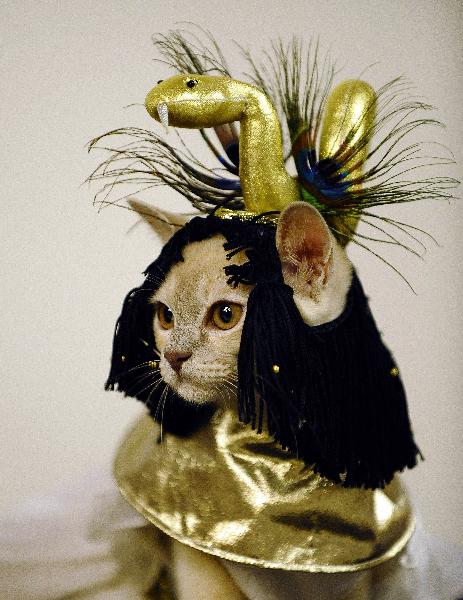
x=176, y=359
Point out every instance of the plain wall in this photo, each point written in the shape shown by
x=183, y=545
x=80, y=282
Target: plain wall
x=67, y=71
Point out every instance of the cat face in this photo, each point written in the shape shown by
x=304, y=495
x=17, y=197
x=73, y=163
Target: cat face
x=198, y=322
x=199, y=317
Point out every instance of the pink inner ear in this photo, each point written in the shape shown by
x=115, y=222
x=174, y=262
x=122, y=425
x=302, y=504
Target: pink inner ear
x=303, y=239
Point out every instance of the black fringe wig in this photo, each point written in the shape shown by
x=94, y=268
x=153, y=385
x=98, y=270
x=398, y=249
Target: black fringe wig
x=330, y=394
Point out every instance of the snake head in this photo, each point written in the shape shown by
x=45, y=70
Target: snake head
x=197, y=101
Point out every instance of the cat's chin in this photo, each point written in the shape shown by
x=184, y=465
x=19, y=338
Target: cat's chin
x=194, y=393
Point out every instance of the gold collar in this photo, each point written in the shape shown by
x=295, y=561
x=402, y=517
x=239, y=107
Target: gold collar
x=235, y=494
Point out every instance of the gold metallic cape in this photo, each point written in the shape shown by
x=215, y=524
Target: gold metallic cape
x=233, y=493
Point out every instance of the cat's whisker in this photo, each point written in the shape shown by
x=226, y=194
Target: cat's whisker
x=148, y=366
x=227, y=391
x=131, y=389
x=163, y=400
x=155, y=386
x=228, y=399
x=143, y=377
x=160, y=406
x=145, y=388
x=220, y=390
x=220, y=394
x=230, y=382
x=139, y=366
x=156, y=414
x=229, y=388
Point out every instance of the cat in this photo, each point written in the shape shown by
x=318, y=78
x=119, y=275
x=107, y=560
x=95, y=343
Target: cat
x=197, y=329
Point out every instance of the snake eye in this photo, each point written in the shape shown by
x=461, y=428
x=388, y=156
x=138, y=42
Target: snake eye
x=226, y=315
x=165, y=316
x=191, y=83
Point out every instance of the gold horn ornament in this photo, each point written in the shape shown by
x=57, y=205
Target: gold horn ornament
x=199, y=101
x=346, y=133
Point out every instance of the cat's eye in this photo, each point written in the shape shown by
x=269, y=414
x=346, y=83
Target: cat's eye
x=226, y=315
x=165, y=316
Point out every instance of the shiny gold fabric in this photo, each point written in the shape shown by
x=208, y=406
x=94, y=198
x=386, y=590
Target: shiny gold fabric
x=235, y=494
x=213, y=101
x=245, y=215
x=346, y=132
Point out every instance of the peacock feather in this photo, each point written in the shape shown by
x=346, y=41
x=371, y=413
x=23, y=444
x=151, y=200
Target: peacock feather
x=372, y=164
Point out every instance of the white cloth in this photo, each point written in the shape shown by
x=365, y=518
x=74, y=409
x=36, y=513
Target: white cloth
x=89, y=544
x=86, y=543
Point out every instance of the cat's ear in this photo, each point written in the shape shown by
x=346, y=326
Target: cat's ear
x=305, y=246
x=162, y=222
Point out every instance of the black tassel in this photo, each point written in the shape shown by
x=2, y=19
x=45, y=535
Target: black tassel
x=271, y=362
x=332, y=393
x=367, y=435
x=133, y=345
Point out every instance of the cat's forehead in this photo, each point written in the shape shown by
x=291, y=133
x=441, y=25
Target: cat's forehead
x=200, y=277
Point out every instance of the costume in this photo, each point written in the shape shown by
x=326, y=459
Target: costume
x=247, y=502
x=304, y=468
x=327, y=375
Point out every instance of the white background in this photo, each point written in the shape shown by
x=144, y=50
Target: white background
x=67, y=71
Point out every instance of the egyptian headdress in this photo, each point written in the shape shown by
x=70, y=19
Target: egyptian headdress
x=328, y=398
